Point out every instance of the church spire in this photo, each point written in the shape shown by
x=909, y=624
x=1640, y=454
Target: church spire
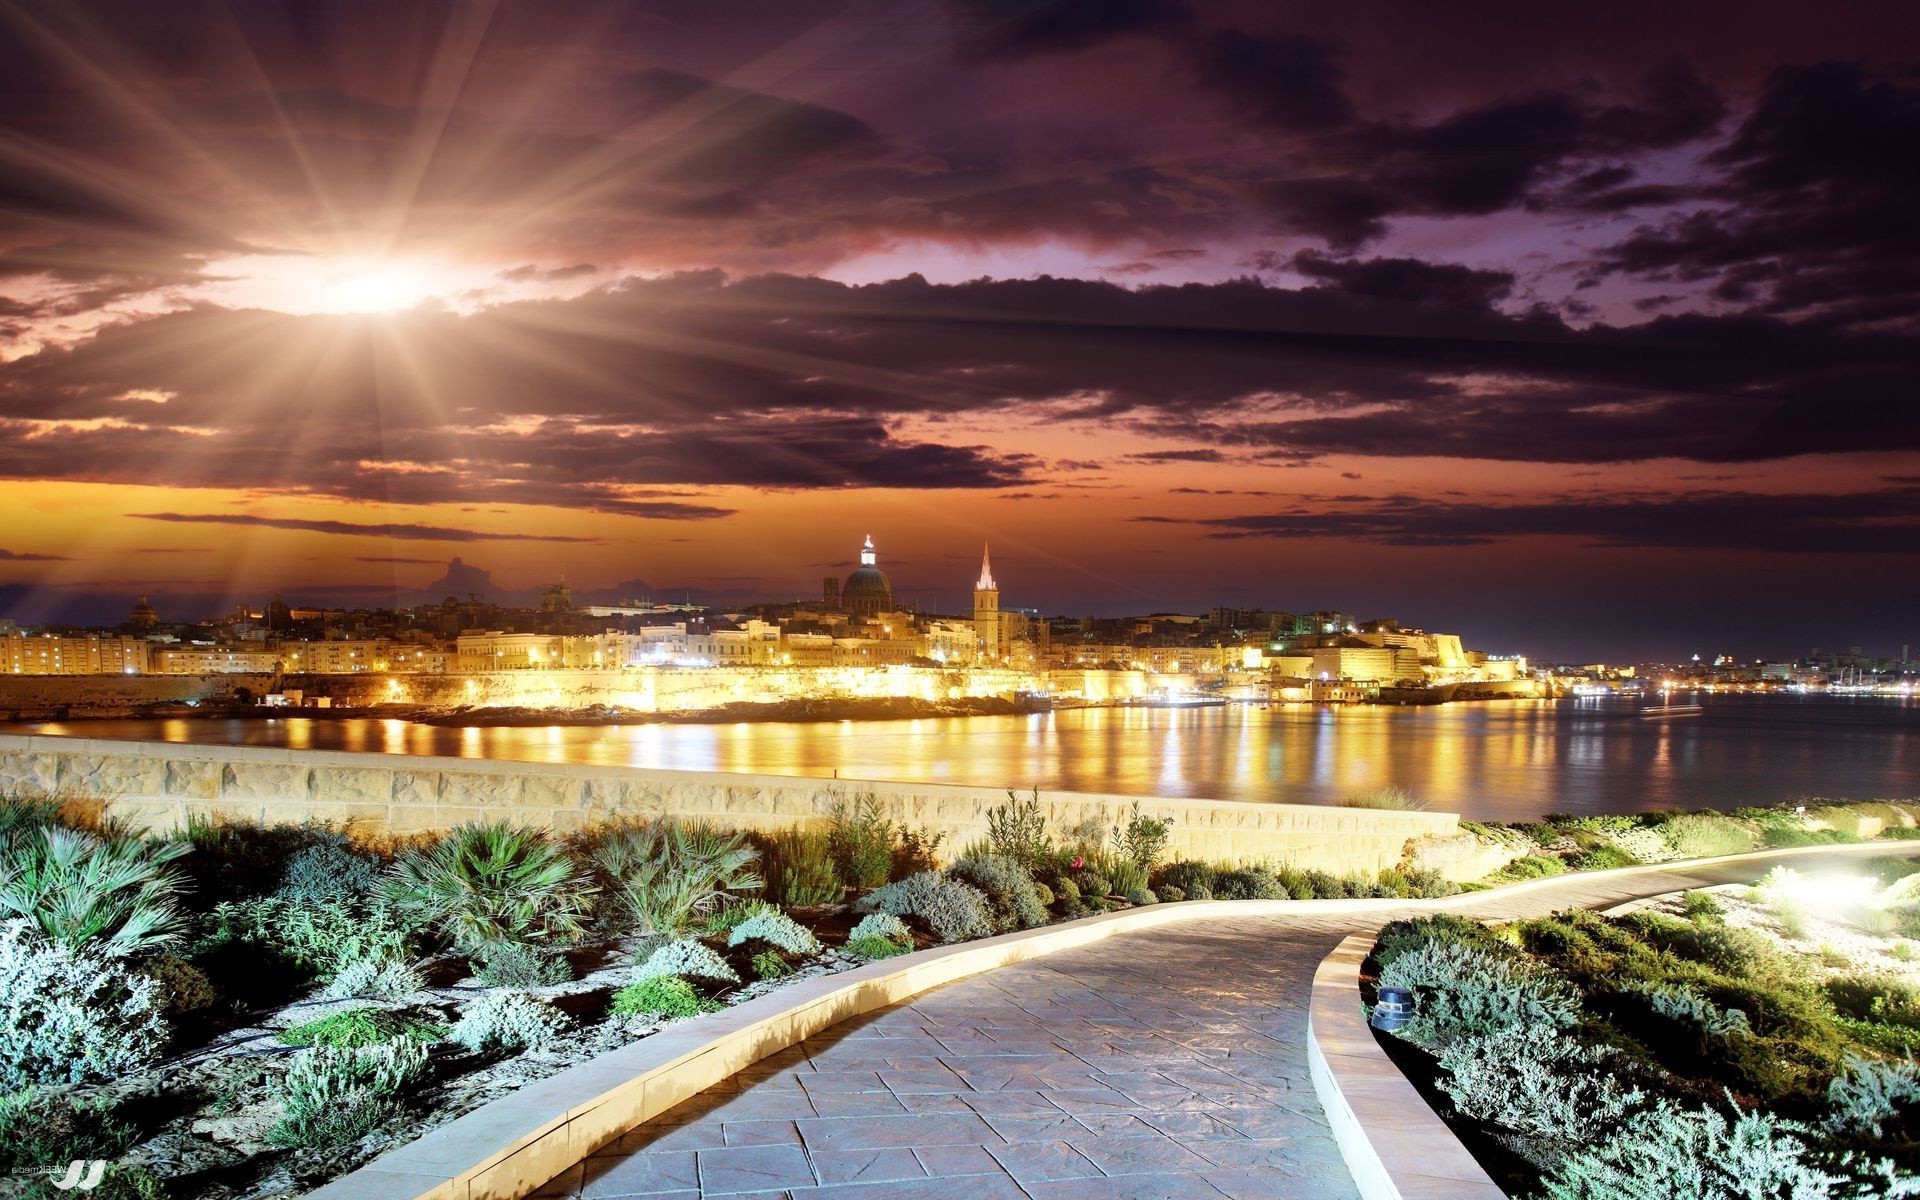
x=866, y=552
x=986, y=583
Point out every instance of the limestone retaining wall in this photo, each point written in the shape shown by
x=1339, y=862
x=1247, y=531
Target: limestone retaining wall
x=158, y=785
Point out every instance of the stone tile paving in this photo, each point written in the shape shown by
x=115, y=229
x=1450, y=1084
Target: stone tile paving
x=1153, y=1066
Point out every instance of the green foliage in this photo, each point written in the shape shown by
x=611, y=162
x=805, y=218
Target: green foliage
x=1124, y=877
x=78, y=889
x=953, y=911
x=1681, y=1002
x=1066, y=892
x=882, y=925
x=72, y=1014
x=800, y=870
x=1092, y=883
x=1171, y=894
x=1698, y=1154
x=184, y=988
x=1185, y=875
x=1142, y=895
x=516, y=965
x=662, y=876
x=918, y=849
x=1018, y=830
x=875, y=947
x=661, y=996
x=329, y=872
x=24, y=812
x=1430, y=884
x=1402, y=936
x=1141, y=840
x=723, y=921
x=687, y=959
x=318, y=939
x=1539, y=1083
x=1390, y=798
x=359, y=1027
x=1248, y=883
x=331, y=1096
x=237, y=858
x=775, y=929
x=771, y=964
x=860, y=840
x=50, y=1128
x=1012, y=902
x=492, y=883
x=1886, y=998
x=1604, y=857
x=1706, y=835
x=376, y=979
x=1530, y=866
x=507, y=1021
x=1466, y=990
x=1702, y=907
x=1871, y=1095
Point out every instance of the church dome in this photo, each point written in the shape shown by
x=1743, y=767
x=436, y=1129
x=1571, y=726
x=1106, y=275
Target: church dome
x=868, y=590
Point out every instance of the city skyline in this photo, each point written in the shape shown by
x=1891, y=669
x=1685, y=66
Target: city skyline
x=1501, y=322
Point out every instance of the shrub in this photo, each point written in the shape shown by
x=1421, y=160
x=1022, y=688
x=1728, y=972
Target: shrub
x=1701, y=906
x=1402, y=936
x=184, y=988
x=1043, y=894
x=1463, y=990
x=1886, y=998
x=1248, y=883
x=22, y=812
x=1124, y=877
x=1646, y=845
x=41, y=1128
x=1171, y=894
x=1603, y=857
x=860, y=840
x=376, y=979
x=331, y=1096
x=1870, y=1095
x=800, y=869
x=1141, y=840
x=1679, y=1002
x=1184, y=875
x=687, y=959
x=1142, y=896
x=1430, y=885
x=1538, y=1083
x=778, y=930
x=1706, y=835
x=881, y=925
x=1066, y=892
x=507, y=1021
x=1011, y=901
x=916, y=850
x=1680, y=1154
x=1325, y=884
x=661, y=876
x=952, y=910
x=511, y=964
x=1529, y=866
x=875, y=947
x=319, y=939
x=1091, y=884
x=72, y=1015
x=1018, y=830
x=358, y=1027
x=1391, y=798
x=771, y=964
x=119, y=895
x=492, y=883
x=661, y=996
x=328, y=872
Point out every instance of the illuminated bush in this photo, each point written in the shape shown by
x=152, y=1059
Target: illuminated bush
x=72, y=1015
x=1466, y=990
x=1012, y=902
x=953, y=911
x=507, y=1021
x=688, y=959
x=776, y=929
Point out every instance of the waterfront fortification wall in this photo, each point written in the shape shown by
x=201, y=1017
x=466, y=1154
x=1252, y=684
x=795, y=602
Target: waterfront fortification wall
x=158, y=785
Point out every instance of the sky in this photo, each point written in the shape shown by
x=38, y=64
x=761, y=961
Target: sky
x=1589, y=332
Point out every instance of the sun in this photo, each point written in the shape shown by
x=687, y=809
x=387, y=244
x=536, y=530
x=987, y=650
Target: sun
x=376, y=287
x=342, y=284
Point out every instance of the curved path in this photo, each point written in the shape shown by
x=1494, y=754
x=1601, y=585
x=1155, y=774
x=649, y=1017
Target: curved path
x=1167, y=1063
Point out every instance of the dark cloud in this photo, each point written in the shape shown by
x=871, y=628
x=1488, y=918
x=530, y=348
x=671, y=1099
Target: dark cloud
x=1287, y=81
x=1018, y=28
x=1409, y=279
x=397, y=532
x=1876, y=522
x=25, y=556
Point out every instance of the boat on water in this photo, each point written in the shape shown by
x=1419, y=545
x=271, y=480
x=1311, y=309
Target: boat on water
x=1668, y=710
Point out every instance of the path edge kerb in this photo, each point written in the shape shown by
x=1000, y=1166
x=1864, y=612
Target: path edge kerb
x=1395, y=1146
x=511, y=1146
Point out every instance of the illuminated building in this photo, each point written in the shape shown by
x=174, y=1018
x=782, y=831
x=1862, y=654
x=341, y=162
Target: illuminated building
x=867, y=592
x=73, y=654
x=986, y=612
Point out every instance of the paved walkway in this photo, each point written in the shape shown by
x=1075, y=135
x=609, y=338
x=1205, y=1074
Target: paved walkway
x=1169, y=1063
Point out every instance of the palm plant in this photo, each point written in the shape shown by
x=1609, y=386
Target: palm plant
x=664, y=874
x=486, y=884
x=118, y=896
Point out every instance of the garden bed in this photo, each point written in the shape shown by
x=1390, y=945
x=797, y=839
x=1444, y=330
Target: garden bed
x=1726, y=1043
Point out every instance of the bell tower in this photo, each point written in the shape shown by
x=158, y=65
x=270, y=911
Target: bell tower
x=986, y=611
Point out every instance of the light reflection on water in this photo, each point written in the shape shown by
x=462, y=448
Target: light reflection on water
x=1501, y=760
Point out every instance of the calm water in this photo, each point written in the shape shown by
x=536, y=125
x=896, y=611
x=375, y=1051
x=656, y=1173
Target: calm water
x=1499, y=760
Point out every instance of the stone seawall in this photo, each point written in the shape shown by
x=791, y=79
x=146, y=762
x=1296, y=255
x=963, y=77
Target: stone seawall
x=158, y=785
